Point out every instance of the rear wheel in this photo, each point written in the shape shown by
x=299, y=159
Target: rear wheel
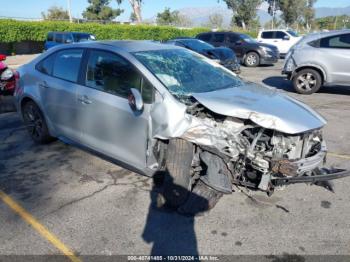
x=307, y=81
x=35, y=123
x=252, y=59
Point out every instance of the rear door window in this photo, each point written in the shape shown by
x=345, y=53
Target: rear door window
x=205, y=37
x=339, y=41
x=45, y=66
x=219, y=38
x=67, y=64
x=59, y=38
x=50, y=37
x=111, y=73
x=267, y=35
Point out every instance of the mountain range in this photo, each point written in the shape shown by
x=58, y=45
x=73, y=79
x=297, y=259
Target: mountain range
x=200, y=15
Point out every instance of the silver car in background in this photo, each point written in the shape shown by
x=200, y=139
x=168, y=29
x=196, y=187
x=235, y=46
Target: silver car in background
x=319, y=59
x=161, y=109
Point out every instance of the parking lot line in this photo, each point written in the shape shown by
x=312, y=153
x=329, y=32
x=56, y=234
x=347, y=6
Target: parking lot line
x=42, y=230
x=339, y=155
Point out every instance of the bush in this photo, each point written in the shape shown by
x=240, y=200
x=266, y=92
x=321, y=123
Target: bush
x=17, y=31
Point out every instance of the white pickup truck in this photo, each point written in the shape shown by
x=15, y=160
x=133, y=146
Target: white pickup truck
x=282, y=39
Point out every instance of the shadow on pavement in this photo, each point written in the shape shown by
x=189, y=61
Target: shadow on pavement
x=7, y=104
x=283, y=83
x=171, y=233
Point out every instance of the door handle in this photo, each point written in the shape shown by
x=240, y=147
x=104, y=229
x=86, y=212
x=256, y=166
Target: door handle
x=85, y=100
x=44, y=84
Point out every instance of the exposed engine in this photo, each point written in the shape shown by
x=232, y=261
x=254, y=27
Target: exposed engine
x=251, y=154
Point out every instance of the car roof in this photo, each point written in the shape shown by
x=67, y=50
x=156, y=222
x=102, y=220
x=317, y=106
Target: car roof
x=318, y=35
x=129, y=46
x=222, y=32
x=273, y=30
x=65, y=32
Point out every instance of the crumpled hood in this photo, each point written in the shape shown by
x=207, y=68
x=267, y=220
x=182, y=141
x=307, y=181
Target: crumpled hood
x=264, y=106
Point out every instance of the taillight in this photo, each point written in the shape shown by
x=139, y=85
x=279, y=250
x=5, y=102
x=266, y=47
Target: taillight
x=18, y=89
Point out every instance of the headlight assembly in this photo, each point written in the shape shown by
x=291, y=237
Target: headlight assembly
x=6, y=75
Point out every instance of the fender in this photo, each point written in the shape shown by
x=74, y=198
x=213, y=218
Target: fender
x=311, y=65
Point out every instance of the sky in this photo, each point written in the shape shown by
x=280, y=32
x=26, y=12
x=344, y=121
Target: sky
x=33, y=8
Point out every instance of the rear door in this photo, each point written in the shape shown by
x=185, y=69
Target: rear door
x=282, y=41
x=335, y=53
x=58, y=87
x=107, y=122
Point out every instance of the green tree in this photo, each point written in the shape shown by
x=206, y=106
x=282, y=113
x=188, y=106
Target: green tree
x=309, y=14
x=136, y=7
x=216, y=20
x=168, y=17
x=55, y=13
x=244, y=11
x=100, y=10
x=292, y=10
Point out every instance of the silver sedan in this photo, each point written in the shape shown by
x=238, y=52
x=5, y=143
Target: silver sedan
x=164, y=110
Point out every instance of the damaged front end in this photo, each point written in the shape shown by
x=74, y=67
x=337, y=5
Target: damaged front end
x=232, y=151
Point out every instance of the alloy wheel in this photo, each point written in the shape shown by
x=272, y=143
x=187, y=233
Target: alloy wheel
x=306, y=82
x=33, y=121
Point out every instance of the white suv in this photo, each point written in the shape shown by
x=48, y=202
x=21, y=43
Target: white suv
x=283, y=39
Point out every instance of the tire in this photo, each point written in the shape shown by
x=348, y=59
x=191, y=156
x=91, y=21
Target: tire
x=35, y=122
x=177, y=180
x=252, y=59
x=177, y=190
x=307, y=81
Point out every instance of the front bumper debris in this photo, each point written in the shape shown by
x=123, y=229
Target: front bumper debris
x=321, y=176
x=302, y=166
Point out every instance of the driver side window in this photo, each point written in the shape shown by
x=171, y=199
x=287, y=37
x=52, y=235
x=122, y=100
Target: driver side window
x=113, y=74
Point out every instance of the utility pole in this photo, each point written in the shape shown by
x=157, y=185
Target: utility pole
x=272, y=11
x=69, y=11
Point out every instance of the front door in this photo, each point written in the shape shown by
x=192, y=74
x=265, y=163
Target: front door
x=107, y=122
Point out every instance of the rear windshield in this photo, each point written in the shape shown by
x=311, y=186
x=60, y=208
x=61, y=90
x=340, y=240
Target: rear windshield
x=196, y=45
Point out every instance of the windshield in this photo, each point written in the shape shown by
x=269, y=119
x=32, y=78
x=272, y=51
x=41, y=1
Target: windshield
x=292, y=33
x=197, y=45
x=247, y=38
x=184, y=72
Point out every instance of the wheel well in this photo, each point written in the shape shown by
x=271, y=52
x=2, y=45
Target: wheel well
x=24, y=101
x=313, y=68
x=251, y=51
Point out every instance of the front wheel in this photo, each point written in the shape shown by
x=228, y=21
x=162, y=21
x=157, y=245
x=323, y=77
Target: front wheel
x=179, y=191
x=307, y=81
x=35, y=123
x=252, y=59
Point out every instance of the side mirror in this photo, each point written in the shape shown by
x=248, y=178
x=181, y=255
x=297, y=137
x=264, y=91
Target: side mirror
x=238, y=42
x=69, y=41
x=2, y=57
x=135, y=100
x=286, y=37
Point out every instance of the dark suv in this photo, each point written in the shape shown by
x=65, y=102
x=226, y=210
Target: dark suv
x=58, y=38
x=248, y=50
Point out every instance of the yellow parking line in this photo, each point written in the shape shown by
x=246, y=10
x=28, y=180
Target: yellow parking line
x=38, y=227
x=338, y=155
